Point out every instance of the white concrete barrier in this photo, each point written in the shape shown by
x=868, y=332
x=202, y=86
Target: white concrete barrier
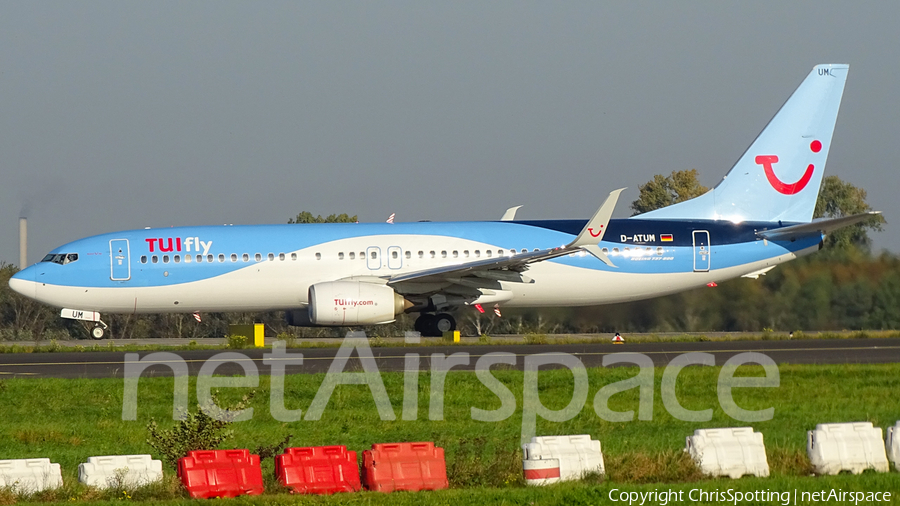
x=854, y=447
x=30, y=475
x=892, y=445
x=732, y=452
x=574, y=456
x=119, y=470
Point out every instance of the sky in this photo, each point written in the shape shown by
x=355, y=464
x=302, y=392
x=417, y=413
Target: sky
x=121, y=115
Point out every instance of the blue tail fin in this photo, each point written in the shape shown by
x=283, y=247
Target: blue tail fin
x=778, y=177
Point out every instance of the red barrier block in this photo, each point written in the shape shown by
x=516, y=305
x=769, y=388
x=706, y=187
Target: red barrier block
x=221, y=473
x=404, y=466
x=318, y=470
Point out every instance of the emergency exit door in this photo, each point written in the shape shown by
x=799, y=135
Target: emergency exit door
x=373, y=258
x=119, y=260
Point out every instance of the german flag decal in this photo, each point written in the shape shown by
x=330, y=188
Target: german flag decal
x=666, y=237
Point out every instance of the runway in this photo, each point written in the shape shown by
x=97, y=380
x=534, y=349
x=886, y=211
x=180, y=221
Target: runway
x=112, y=364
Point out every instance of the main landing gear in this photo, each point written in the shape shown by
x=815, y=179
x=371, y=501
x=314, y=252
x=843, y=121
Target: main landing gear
x=434, y=325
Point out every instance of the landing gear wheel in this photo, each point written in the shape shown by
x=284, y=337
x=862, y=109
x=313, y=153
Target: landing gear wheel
x=443, y=323
x=98, y=332
x=423, y=323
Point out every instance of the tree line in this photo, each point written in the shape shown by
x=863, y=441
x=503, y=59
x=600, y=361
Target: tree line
x=842, y=287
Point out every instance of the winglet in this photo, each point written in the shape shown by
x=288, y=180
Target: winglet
x=593, y=232
x=510, y=214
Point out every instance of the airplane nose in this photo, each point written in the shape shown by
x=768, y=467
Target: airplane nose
x=23, y=282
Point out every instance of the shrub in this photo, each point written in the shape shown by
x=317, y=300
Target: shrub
x=204, y=429
x=236, y=342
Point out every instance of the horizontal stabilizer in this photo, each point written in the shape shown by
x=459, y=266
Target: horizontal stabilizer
x=814, y=227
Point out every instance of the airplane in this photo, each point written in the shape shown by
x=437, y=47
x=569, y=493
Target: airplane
x=350, y=274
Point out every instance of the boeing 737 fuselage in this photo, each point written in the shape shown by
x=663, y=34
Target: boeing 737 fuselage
x=759, y=216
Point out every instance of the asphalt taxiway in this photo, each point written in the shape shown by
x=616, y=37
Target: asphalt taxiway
x=112, y=364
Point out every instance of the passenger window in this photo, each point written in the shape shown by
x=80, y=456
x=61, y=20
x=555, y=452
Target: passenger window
x=165, y=259
x=154, y=259
x=499, y=252
x=234, y=257
x=466, y=253
x=362, y=255
x=245, y=257
x=258, y=257
x=352, y=256
x=444, y=254
x=408, y=255
x=271, y=256
x=488, y=253
x=477, y=253
x=210, y=258
x=394, y=254
x=294, y=256
x=455, y=254
x=341, y=255
x=281, y=257
x=421, y=254
x=318, y=256
x=143, y=259
x=659, y=250
x=605, y=251
x=187, y=259
x=177, y=259
x=199, y=258
x=374, y=255
x=615, y=251
x=432, y=254
x=221, y=257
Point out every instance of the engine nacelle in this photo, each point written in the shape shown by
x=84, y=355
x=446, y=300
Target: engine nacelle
x=352, y=303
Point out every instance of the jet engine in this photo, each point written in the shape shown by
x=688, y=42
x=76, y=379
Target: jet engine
x=340, y=303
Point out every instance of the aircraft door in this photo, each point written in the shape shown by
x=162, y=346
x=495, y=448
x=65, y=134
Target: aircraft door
x=701, y=251
x=395, y=257
x=119, y=260
x=373, y=258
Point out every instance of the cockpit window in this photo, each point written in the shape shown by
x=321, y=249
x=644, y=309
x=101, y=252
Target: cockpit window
x=61, y=258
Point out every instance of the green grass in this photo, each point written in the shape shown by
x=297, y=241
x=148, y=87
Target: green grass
x=70, y=420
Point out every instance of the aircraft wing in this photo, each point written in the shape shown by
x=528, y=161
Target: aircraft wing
x=509, y=268
x=821, y=226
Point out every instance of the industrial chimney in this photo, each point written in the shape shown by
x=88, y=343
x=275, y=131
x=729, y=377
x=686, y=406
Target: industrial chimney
x=23, y=243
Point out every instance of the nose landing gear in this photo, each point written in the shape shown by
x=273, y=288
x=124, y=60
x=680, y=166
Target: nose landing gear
x=434, y=325
x=99, y=330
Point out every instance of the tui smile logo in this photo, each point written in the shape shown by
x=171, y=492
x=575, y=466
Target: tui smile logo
x=767, y=161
